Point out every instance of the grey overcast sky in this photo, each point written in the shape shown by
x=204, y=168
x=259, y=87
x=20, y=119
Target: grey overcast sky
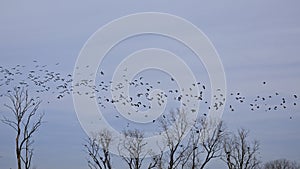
x=257, y=41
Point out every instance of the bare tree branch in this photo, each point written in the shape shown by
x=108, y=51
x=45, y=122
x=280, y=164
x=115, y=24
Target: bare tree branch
x=24, y=122
x=239, y=153
x=132, y=149
x=175, y=128
x=98, y=149
x=281, y=164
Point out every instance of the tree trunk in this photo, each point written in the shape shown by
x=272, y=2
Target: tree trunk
x=18, y=151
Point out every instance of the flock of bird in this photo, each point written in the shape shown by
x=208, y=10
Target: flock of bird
x=39, y=80
x=141, y=89
x=43, y=81
x=271, y=102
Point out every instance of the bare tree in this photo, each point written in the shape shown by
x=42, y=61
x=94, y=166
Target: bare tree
x=98, y=149
x=205, y=142
x=281, y=164
x=191, y=147
x=25, y=122
x=132, y=149
x=239, y=152
x=175, y=129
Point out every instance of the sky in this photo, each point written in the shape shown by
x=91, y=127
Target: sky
x=256, y=41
